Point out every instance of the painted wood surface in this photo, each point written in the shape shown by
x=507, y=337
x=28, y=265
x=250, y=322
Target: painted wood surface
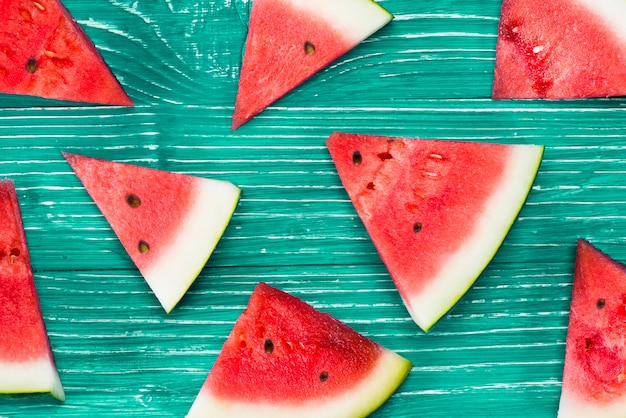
x=499, y=353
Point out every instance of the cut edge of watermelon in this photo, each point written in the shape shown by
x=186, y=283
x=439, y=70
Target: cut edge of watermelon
x=465, y=266
x=199, y=234
x=35, y=376
x=386, y=377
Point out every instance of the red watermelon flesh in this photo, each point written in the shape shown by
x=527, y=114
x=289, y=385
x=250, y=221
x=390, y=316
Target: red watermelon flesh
x=283, y=358
x=290, y=40
x=26, y=361
x=44, y=52
x=169, y=223
x=594, y=376
x=561, y=49
x=437, y=211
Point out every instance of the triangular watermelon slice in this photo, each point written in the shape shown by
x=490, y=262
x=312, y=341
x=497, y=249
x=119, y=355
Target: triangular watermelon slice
x=26, y=361
x=169, y=223
x=290, y=40
x=44, y=52
x=283, y=358
x=594, y=375
x=561, y=49
x=437, y=211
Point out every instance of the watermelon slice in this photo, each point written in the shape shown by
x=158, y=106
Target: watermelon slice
x=290, y=40
x=437, y=211
x=168, y=223
x=561, y=49
x=26, y=361
x=44, y=52
x=594, y=376
x=285, y=359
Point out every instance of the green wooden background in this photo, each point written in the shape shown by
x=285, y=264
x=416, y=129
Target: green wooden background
x=499, y=353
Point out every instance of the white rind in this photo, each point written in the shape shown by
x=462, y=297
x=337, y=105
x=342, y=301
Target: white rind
x=464, y=266
x=200, y=231
x=613, y=12
x=355, y=19
x=358, y=402
x=35, y=376
x=570, y=407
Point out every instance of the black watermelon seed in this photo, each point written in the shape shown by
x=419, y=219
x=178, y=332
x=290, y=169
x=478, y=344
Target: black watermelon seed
x=143, y=247
x=31, y=65
x=133, y=200
x=309, y=48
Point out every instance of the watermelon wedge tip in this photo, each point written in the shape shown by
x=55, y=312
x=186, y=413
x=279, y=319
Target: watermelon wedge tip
x=169, y=223
x=283, y=358
x=26, y=360
x=437, y=211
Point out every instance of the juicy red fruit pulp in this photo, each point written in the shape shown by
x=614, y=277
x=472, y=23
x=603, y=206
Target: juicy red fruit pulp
x=21, y=327
x=537, y=64
x=276, y=348
x=595, y=366
x=556, y=50
x=285, y=47
x=44, y=52
x=603, y=355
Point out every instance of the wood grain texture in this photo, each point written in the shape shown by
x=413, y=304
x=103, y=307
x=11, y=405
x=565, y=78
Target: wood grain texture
x=499, y=353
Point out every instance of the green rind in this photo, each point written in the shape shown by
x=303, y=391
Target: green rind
x=169, y=308
x=402, y=368
x=382, y=9
x=387, y=377
x=463, y=291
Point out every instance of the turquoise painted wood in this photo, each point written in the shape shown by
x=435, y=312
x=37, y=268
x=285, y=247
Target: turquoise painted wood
x=499, y=353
